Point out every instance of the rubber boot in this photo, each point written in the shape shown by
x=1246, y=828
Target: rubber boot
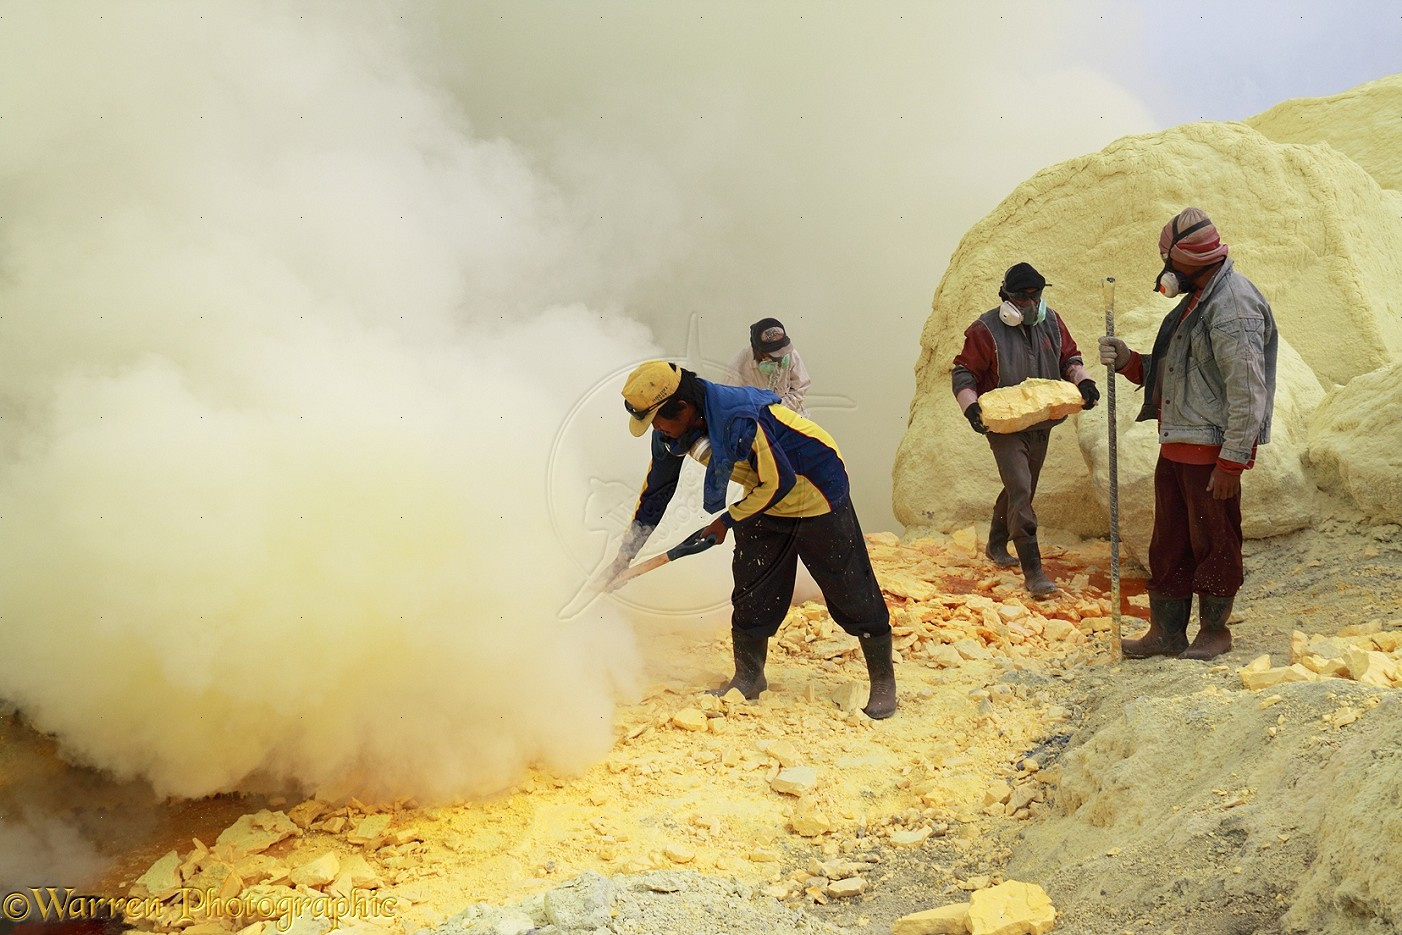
x=1213, y=637
x=881, y=703
x=1036, y=580
x=750, y=653
x=1168, y=629
x=997, y=548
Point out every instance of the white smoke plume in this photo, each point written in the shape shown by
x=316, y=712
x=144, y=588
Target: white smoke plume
x=288, y=347
x=37, y=848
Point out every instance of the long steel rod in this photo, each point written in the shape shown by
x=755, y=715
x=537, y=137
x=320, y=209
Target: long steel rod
x=1109, y=290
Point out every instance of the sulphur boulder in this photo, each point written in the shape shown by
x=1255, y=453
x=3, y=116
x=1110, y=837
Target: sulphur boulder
x=1120, y=198
x=1355, y=442
x=1011, y=908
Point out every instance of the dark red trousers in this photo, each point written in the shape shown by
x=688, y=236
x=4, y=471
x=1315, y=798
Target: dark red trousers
x=1196, y=546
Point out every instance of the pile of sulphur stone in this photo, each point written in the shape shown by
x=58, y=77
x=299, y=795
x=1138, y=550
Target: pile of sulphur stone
x=1366, y=653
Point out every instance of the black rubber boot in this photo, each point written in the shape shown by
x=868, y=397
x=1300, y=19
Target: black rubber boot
x=1030, y=556
x=881, y=671
x=750, y=653
x=1168, y=629
x=997, y=548
x=1213, y=637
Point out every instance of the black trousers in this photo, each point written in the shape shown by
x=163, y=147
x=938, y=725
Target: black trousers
x=767, y=550
x=1019, y=457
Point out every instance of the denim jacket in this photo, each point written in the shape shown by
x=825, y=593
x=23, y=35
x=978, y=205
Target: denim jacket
x=1211, y=380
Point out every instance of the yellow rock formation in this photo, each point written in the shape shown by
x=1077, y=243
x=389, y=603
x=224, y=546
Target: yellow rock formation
x=1325, y=245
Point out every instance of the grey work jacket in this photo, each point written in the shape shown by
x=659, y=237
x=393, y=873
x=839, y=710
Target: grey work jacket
x=1211, y=380
x=997, y=355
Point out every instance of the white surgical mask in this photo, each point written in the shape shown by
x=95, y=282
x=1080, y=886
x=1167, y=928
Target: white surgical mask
x=1011, y=315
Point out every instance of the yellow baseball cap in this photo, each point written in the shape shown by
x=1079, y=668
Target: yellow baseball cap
x=647, y=388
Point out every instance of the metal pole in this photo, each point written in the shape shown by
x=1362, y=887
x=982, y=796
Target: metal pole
x=1109, y=290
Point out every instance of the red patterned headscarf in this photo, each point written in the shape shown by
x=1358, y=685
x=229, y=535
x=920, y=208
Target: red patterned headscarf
x=1191, y=240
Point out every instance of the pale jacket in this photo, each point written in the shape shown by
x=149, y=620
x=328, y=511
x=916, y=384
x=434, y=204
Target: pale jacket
x=1210, y=380
x=789, y=383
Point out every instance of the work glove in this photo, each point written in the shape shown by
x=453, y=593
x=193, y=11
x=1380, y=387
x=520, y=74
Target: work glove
x=615, y=568
x=699, y=541
x=1089, y=393
x=628, y=549
x=1114, y=351
x=975, y=416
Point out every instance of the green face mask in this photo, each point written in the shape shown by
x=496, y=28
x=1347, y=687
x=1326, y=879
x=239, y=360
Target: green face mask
x=769, y=366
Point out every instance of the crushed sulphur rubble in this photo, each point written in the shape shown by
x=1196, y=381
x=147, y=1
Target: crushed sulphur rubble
x=1363, y=653
x=798, y=795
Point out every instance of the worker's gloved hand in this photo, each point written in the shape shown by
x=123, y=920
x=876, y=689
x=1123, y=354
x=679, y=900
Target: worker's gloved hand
x=1089, y=393
x=628, y=549
x=975, y=416
x=1114, y=351
x=619, y=565
x=698, y=541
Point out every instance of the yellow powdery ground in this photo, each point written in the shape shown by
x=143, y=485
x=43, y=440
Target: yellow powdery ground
x=799, y=792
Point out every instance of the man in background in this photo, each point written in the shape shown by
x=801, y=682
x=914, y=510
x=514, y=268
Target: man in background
x=1020, y=339
x=771, y=362
x=1210, y=383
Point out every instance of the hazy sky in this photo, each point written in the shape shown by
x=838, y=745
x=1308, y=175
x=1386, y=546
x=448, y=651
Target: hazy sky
x=1206, y=60
x=315, y=316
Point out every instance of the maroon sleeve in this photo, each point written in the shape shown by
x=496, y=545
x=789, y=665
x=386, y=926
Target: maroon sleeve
x=975, y=367
x=1134, y=370
x=1070, y=353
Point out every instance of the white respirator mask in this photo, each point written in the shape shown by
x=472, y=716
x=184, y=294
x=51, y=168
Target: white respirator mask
x=1012, y=316
x=1170, y=284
